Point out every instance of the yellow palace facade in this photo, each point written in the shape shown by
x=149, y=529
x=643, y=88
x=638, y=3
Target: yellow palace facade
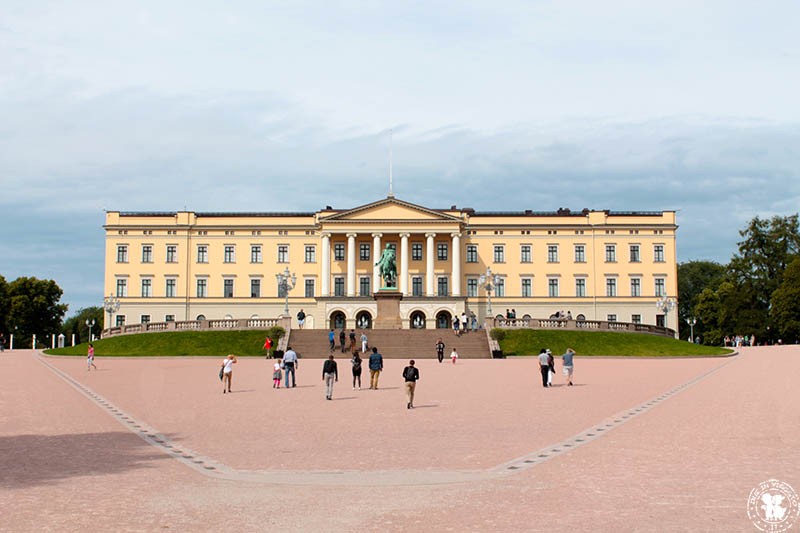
x=597, y=265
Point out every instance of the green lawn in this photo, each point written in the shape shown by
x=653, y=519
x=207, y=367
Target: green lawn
x=217, y=343
x=529, y=342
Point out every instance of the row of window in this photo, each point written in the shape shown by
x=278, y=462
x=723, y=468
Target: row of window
x=364, y=253
x=364, y=287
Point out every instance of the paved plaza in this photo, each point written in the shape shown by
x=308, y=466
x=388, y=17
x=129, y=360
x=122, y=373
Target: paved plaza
x=152, y=444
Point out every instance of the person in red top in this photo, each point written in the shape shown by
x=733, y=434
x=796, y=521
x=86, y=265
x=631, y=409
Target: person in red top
x=268, y=345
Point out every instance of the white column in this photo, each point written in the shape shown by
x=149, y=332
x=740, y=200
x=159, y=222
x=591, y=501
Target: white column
x=456, y=291
x=376, y=254
x=403, y=285
x=429, y=265
x=325, y=289
x=351, y=264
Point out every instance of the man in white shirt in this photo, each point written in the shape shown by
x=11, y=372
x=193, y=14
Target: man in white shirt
x=290, y=364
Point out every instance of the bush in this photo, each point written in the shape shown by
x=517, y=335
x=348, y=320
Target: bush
x=498, y=334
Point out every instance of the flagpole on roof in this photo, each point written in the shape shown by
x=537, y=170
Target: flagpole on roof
x=391, y=139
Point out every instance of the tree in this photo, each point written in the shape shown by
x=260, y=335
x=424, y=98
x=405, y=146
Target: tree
x=3, y=304
x=693, y=278
x=785, y=309
x=34, y=308
x=77, y=324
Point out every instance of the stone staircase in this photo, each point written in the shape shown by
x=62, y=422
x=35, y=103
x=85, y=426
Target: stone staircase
x=395, y=343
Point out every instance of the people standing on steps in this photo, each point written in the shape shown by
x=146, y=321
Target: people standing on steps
x=411, y=376
x=544, y=365
x=356, y=362
x=330, y=373
x=342, y=337
x=474, y=321
x=456, y=323
x=375, y=367
x=227, y=372
x=566, y=359
x=464, y=321
x=364, y=345
x=352, y=341
x=90, y=357
x=440, y=349
x=290, y=365
x=332, y=339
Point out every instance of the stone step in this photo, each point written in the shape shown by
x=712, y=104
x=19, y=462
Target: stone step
x=395, y=343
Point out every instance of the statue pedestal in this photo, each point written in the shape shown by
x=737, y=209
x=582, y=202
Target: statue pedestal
x=388, y=301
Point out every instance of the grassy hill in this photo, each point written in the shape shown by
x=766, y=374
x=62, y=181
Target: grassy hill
x=217, y=343
x=529, y=342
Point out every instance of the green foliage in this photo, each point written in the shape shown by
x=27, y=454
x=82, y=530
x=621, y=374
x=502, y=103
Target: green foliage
x=693, y=278
x=77, y=324
x=497, y=334
x=3, y=304
x=33, y=308
x=216, y=343
x=785, y=309
x=529, y=342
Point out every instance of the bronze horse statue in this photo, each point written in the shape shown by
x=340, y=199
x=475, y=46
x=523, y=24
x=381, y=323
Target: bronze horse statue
x=387, y=267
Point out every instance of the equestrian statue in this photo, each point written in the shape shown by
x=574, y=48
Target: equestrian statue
x=387, y=267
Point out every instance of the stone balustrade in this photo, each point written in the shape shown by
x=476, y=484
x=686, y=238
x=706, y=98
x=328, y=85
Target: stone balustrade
x=593, y=325
x=199, y=325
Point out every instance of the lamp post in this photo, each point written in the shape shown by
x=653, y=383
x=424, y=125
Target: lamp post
x=665, y=305
x=90, y=324
x=286, y=282
x=111, y=304
x=691, y=321
x=489, y=281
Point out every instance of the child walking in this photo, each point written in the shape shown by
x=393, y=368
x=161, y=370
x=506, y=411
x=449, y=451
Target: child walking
x=454, y=355
x=90, y=358
x=276, y=375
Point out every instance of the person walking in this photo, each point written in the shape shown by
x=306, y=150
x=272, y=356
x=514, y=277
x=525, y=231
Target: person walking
x=375, y=367
x=227, y=372
x=544, y=365
x=290, y=365
x=342, y=337
x=268, y=345
x=330, y=373
x=411, y=376
x=301, y=319
x=356, y=362
x=454, y=355
x=440, y=349
x=566, y=359
x=551, y=365
x=90, y=358
x=473, y=321
x=364, y=342
x=456, y=322
x=464, y=320
x=332, y=339
x=276, y=375
x=2, y=342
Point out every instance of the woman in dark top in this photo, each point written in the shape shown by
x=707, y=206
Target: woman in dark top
x=356, y=362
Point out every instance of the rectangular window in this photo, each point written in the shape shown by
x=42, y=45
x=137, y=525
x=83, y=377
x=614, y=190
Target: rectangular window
x=416, y=251
x=172, y=253
x=227, y=288
x=309, y=285
x=658, y=253
x=202, y=288
x=636, y=319
x=147, y=253
x=255, y=253
x=122, y=253
x=147, y=288
x=526, y=288
x=169, y=290
x=202, y=253
x=363, y=251
x=472, y=287
x=612, y=318
x=500, y=288
x=636, y=287
x=552, y=253
x=255, y=288
x=472, y=253
x=230, y=254
x=611, y=253
x=363, y=286
x=338, y=286
x=441, y=285
x=580, y=253
x=416, y=286
x=311, y=254
x=122, y=288
x=283, y=253
x=441, y=251
x=169, y=318
x=120, y=320
x=635, y=258
x=661, y=321
x=499, y=253
x=580, y=287
x=144, y=319
x=552, y=287
x=525, y=253
x=338, y=251
x=611, y=286
x=660, y=287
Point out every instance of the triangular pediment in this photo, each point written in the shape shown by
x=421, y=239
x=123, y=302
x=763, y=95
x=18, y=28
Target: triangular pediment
x=390, y=209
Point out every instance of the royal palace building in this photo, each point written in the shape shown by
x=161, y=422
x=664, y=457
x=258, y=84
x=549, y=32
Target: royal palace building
x=597, y=265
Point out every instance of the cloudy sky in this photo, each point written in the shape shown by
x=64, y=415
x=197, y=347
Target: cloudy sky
x=287, y=105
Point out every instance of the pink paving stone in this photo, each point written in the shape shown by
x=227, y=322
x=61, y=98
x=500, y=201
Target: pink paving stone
x=687, y=464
